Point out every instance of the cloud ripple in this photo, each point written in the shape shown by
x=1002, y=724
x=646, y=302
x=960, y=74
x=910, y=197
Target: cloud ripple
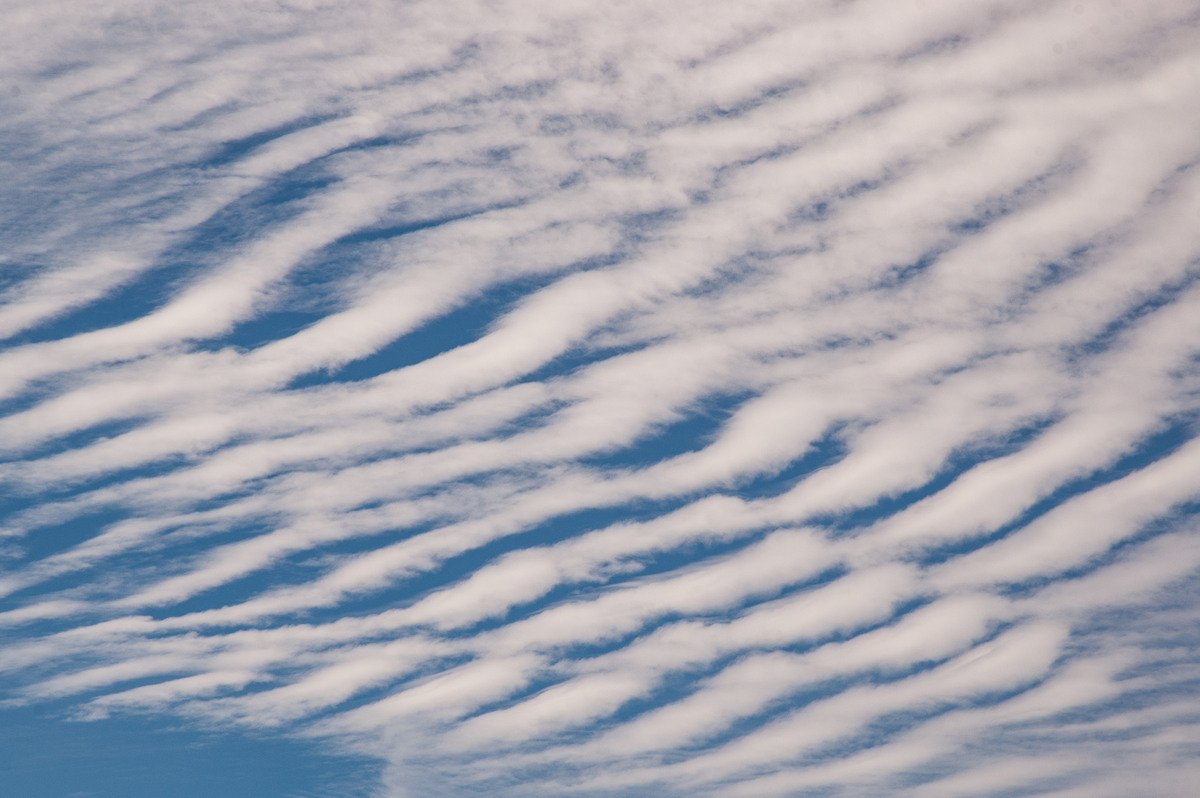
x=735, y=399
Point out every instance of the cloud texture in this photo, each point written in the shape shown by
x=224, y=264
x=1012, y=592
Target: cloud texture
x=566, y=398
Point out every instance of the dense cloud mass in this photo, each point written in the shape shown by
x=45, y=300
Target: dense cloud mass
x=740, y=399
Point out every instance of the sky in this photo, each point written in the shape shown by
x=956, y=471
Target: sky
x=526, y=398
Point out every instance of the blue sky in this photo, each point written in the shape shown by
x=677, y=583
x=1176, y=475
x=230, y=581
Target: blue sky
x=519, y=398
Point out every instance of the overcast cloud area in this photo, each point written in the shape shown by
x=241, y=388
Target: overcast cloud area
x=610, y=399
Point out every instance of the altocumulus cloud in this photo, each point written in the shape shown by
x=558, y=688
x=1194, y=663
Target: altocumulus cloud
x=758, y=398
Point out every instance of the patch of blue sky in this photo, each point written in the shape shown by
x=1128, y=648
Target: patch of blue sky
x=697, y=426
x=653, y=621
x=1173, y=519
x=453, y=329
x=73, y=441
x=58, y=536
x=575, y=358
x=1174, y=434
x=1141, y=306
x=745, y=105
x=887, y=727
x=1021, y=198
x=412, y=586
x=280, y=574
x=955, y=465
x=229, y=152
x=821, y=453
x=203, y=247
x=686, y=681
x=266, y=328
x=131, y=756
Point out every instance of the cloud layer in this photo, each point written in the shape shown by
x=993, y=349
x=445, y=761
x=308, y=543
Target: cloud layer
x=735, y=399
